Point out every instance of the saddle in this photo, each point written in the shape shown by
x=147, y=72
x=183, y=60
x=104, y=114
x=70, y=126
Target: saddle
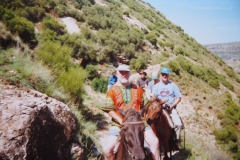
x=165, y=112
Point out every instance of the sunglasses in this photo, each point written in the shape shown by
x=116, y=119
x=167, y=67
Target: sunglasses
x=164, y=74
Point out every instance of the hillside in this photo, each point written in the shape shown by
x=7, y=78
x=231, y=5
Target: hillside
x=68, y=48
x=229, y=52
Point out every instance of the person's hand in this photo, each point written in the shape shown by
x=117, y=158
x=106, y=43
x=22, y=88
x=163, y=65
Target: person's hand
x=120, y=122
x=170, y=107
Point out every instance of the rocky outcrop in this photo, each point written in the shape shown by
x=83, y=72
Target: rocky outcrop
x=35, y=126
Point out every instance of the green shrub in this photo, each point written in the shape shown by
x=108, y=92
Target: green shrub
x=32, y=13
x=220, y=116
x=141, y=61
x=170, y=45
x=185, y=64
x=86, y=32
x=214, y=83
x=229, y=72
x=145, y=31
x=228, y=95
x=48, y=35
x=150, y=27
x=75, y=41
x=72, y=81
x=237, y=79
x=226, y=134
x=137, y=64
x=174, y=66
x=81, y=3
x=127, y=13
x=61, y=10
x=198, y=71
x=2, y=58
x=76, y=15
x=226, y=84
x=52, y=24
x=99, y=17
x=161, y=43
x=19, y=25
x=178, y=28
x=180, y=51
x=165, y=54
x=100, y=84
x=129, y=50
x=92, y=71
x=237, y=155
x=56, y=56
x=151, y=38
x=6, y=15
x=24, y=28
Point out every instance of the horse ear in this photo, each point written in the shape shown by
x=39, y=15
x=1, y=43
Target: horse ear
x=121, y=111
x=143, y=111
x=154, y=98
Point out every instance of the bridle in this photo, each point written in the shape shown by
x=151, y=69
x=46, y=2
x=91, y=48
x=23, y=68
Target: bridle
x=137, y=122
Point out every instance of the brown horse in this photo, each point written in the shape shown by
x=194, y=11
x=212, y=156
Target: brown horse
x=158, y=121
x=131, y=138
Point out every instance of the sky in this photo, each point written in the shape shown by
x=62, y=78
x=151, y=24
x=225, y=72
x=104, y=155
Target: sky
x=207, y=21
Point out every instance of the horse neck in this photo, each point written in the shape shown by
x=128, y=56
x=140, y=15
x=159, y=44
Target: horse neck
x=160, y=124
x=124, y=152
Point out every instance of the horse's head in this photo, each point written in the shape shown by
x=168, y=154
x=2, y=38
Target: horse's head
x=153, y=110
x=130, y=115
x=132, y=135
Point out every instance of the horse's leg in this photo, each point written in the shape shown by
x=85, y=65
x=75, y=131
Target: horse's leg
x=166, y=146
x=170, y=152
x=160, y=152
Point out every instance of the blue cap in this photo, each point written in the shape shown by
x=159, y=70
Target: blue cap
x=123, y=68
x=155, y=75
x=165, y=70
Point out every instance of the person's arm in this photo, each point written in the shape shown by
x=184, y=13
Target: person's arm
x=177, y=98
x=146, y=85
x=176, y=101
x=116, y=117
x=111, y=80
x=115, y=80
x=110, y=105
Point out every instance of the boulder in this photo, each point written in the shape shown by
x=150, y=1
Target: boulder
x=35, y=126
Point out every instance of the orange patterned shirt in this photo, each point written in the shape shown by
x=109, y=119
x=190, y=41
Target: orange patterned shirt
x=125, y=98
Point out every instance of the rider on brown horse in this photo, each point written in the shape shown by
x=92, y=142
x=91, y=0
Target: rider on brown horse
x=167, y=90
x=126, y=96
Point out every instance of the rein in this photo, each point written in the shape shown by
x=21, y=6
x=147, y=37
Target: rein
x=137, y=122
x=129, y=152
